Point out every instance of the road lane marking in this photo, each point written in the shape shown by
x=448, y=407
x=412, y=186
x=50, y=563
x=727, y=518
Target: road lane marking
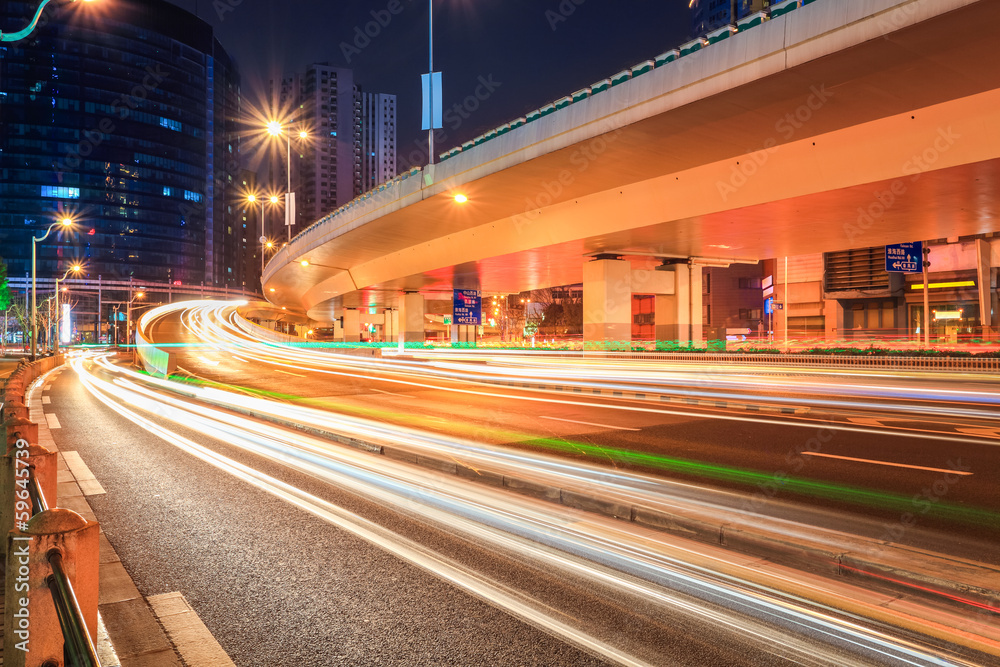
x=287, y=373
x=886, y=463
x=46, y=400
x=205, y=360
x=391, y=393
x=989, y=433
x=245, y=361
x=576, y=421
x=84, y=477
x=865, y=421
x=52, y=420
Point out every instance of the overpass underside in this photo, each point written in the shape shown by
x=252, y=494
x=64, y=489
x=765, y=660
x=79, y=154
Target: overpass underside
x=839, y=126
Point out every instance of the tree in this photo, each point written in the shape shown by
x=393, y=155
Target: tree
x=5, y=297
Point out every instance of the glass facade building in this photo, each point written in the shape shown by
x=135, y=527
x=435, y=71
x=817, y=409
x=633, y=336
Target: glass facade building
x=123, y=116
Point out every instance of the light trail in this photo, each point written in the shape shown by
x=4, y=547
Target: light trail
x=557, y=538
x=479, y=457
x=215, y=322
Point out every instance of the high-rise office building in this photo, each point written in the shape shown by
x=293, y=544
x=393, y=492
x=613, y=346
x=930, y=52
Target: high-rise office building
x=345, y=126
x=125, y=121
x=709, y=15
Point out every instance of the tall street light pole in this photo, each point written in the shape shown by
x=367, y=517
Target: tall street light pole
x=35, y=240
x=128, y=316
x=275, y=129
x=430, y=68
x=76, y=268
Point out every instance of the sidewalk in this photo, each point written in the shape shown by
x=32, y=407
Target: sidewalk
x=159, y=631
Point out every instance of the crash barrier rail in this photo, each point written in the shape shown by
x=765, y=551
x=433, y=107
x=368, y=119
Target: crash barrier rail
x=155, y=360
x=52, y=561
x=263, y=333
x=873, y=361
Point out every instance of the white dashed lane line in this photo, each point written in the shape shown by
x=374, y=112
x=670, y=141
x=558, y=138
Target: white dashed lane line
x=885, y=463
x=575, y=421
x=52, y=420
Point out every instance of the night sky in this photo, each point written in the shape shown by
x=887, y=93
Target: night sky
x=532, y=51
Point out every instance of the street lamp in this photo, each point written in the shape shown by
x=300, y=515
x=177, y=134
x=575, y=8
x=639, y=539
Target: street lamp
x=128, y=316
x=65, y=223
x=22, y=34
x=265, y=245
x=275, y=129
x=76, y=268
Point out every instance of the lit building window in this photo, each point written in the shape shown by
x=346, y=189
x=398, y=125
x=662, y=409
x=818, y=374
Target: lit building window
x=170, y=124
x=60, y=192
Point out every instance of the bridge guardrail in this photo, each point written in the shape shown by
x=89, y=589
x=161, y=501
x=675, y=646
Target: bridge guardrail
x=155, y=360
x=878, y=362
x=52, y=561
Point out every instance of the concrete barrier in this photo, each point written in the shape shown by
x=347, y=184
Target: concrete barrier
x=155, y=360
x=33, y=636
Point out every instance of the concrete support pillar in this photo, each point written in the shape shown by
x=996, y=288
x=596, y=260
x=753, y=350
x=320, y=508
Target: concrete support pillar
x=29, y=609
x=833, y=314
x=673, y=311
x=697, y=305
x=463, y=333
x=352, y=325
x=389, y=330
x=411, y=319
x=607, y=304
x=984, y=281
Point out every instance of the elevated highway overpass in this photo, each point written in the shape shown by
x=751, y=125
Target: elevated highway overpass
x=838, y=125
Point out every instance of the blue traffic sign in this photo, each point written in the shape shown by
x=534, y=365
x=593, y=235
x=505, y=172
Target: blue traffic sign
x=904, y=257
x=468, y=306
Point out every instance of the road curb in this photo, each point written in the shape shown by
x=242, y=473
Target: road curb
x=652, y=397
x=783, y=542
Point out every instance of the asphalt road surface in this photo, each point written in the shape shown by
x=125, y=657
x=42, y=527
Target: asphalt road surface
x=278, y=586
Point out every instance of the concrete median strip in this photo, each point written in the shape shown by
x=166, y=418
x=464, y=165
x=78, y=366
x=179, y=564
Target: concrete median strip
x=657, y=398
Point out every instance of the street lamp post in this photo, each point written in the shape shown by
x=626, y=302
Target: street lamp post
x=35, y=240
x=430, y=82
x=128, y=315
x=76, y=268
x=275, y=129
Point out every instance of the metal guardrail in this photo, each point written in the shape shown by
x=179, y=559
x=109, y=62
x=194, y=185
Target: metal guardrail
x=973, y=364
x=263, y=333
x=38, y=502
x=79, y=650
